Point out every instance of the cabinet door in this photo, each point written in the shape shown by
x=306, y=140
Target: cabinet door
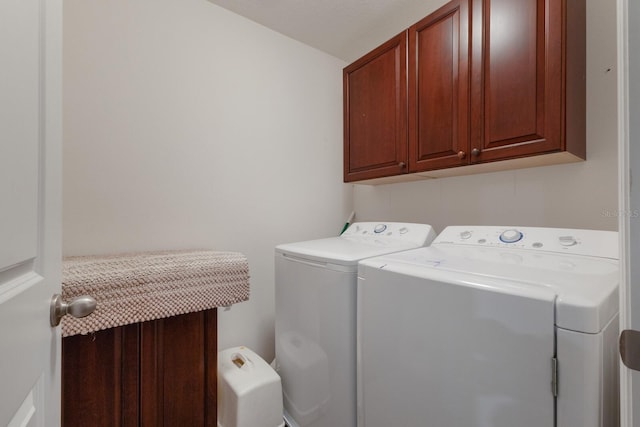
x=439, y=89
x=375, y=113
x=100, y=378
x=178, y=362
x=157, y=373
x=518, y=75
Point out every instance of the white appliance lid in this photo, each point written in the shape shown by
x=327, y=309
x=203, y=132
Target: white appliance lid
x=586, y=287
x=361, y=240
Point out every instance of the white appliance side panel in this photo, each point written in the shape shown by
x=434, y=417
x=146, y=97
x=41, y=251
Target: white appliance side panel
x=315, y=342
x=436, y=354
x=588, y=392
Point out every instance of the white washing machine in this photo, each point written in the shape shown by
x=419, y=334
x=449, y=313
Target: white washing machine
x=491, y=327
x=315, y=326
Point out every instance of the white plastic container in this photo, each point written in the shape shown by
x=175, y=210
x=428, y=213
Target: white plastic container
x=249, y=390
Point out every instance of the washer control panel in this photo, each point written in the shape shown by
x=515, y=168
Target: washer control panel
x=511, y=235
x=575, y=241
x=420, y=234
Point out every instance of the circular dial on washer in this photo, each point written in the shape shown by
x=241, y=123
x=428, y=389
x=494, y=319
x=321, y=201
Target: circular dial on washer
x=567, y=240
x=511, y=236
x=379, y=228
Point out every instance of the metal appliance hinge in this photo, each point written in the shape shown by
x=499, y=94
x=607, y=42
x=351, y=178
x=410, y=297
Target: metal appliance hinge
x=554, y=376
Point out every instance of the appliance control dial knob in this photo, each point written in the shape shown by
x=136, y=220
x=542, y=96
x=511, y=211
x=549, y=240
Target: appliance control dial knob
x=511, y=236
x=465, y=235
x=567, y=240
x=379, y=228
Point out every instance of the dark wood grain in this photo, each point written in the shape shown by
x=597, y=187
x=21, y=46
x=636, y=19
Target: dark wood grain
x=130, y=376
x=488, y=80
x=211, y=368
x=100, y=378
x=375, y=113
x=439, y=89
x=152, y=373
x=157, y=373
x=183, y=370
x=518, y=79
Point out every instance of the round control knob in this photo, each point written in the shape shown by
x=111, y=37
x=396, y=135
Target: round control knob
x=465, y=235
x=568, y=241
x=510, y=236
x=379, y=228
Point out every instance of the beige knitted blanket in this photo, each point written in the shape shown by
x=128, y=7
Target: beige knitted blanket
x=137, y=287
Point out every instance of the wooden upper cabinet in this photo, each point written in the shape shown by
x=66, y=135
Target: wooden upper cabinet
x=439, y=89
x=375, y=113
x=527, y=78
x=488, y=80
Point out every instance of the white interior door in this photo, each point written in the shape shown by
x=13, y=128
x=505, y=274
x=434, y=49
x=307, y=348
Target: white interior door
x=30, y=210
x=629, y=194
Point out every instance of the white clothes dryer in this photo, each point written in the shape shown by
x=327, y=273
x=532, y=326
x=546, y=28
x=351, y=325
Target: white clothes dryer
x=315, y=326
x=491, y=327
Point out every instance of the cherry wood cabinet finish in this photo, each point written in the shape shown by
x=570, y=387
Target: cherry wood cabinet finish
x=178, y=371
x=439, y=89
x=157, y=373
x=100, y=378
x=527, y=78
x=488, y=80
x=375, y=112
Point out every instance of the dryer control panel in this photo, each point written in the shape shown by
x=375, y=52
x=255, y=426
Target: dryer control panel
x=420, y=234
x=596, y=243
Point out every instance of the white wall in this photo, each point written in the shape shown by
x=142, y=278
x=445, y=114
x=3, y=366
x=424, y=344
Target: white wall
x=580, y=195
x=187, y=126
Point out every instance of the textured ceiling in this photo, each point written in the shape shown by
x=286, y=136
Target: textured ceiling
x=343, y=28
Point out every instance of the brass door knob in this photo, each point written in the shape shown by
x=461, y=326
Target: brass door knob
x=461, y=155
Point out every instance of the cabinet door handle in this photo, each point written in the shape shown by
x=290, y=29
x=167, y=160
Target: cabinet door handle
x=475, y=152
x=402, y=165
x=461, y=155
